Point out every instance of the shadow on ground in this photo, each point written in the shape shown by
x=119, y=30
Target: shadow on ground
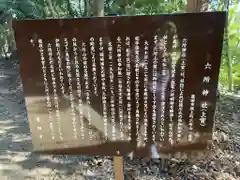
x=17, y=161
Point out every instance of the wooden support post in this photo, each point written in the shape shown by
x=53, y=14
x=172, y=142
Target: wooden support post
x=118, y=167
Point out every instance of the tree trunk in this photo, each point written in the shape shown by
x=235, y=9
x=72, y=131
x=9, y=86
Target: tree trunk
x=80, y=7
x=228, y=56
x=4, y=51
x=86, y=8
x=98, y=8
x=52, y=10
x=197, y=5
x=10, y=37
x=70, y=10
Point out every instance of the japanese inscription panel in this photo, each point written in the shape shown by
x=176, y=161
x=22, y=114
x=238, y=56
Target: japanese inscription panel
x=106, y=86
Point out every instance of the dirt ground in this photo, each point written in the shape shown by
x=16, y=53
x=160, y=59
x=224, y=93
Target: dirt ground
x=18, y=162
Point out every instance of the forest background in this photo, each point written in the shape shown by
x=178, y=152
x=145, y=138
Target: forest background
x=43, y=9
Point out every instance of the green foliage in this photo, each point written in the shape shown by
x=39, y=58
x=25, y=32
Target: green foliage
x=232, y=47
x=36, y=9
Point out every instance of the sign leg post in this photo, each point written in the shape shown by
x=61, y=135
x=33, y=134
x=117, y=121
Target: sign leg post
x=118, y=167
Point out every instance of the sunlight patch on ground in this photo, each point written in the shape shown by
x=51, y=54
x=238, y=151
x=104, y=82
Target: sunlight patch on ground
x=2, y=131
x=8, y=128
x=21, y=137
x=5, y=122
x=11, y=167
x=19, y=158
x=2, y=76
x=40, y=170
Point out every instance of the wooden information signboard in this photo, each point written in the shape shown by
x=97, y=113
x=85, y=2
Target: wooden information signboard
x=115, y=85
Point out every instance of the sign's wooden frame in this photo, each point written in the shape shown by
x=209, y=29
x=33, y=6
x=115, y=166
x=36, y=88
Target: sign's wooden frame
x=96, y=121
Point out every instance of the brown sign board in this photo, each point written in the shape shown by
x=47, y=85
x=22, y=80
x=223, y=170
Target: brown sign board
x=108, y=85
